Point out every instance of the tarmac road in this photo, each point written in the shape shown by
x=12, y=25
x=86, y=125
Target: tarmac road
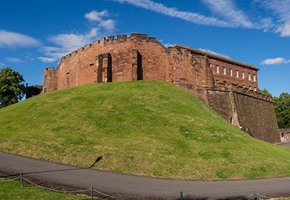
x=136, y=187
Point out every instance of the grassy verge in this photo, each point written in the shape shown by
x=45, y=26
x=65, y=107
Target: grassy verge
x=12, y=190
x=143, y=128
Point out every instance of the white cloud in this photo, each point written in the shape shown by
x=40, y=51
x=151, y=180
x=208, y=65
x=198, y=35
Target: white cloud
x=13, y=60
x=13, y=39
x=275, y=61
x=226, y=13
x=168, y=45
x=71, y=42
x=230, y=12
x=66, y=43
x=46, y=59
x=281, y=9
x=210, y=51
x=96, y=16
x=173, y=12
x=284, y=29
x=52, y=54
x=108, y=24
x=266, y=24
x=2, y=64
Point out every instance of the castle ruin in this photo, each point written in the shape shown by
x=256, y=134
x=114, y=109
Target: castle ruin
x=228, y=86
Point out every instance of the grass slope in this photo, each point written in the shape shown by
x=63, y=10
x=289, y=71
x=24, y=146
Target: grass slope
x=143, y=128
x=11, y=190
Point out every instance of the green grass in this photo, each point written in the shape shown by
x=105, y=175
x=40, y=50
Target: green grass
x=144, y=128
x=12, y=190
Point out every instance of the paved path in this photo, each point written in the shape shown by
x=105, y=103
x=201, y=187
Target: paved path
x=285, y=144
x=121, y=185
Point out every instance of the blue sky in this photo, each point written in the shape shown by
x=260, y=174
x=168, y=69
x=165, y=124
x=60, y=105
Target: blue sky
x=34, y=34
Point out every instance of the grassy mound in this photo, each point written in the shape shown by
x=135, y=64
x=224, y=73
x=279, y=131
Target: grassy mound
x=143, y=128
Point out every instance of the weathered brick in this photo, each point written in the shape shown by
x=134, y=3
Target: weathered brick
x=209, y=76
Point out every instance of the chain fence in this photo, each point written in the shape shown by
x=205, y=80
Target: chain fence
x=90, y=193
x=253, y=196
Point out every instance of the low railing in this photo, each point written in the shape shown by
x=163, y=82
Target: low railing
x=90, y=193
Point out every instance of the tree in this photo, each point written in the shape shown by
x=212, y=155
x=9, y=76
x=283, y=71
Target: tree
x=266, y=92
x=12, y=88
x=282, y=109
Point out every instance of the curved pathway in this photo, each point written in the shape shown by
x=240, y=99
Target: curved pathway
x=135, y=187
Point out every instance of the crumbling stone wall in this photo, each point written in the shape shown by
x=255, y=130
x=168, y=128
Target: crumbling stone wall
x=256, y=116
x=229, y=86
x=114, y=59
x=140, y=57
x=49, y=80
x=221, y=102
x=186, y=69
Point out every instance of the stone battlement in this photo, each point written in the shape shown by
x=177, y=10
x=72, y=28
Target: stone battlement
x=228, y=86
x=49, y=69
x=135, y=37
x=124, y=38
x=224, y=86
x=213, y=55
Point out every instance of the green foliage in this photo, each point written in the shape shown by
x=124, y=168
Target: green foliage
x=12, y=88
x=144, y=127
x=11, y=190
x=266, y=92
x=282, y=110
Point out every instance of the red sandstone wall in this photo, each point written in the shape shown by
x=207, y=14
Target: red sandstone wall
x=189, y=70
x=253, y=115
x=233, y=77
x=49, y=80
x=81, y=66
x=140, y=57
x=257, y=117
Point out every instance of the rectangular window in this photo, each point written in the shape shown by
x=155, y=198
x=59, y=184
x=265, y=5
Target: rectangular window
x=217, y=69
x=243, y=75
x=254, y=78
x=237, y=73
x=224, y=71
x=249, y=77
x=231, y=72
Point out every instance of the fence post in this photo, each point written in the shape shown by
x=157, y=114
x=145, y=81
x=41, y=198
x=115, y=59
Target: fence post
x=92, y=193
x=181, y=196
x=21, y=180
x=255, y=196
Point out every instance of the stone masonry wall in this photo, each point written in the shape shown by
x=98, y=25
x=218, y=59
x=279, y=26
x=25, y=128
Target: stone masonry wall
x=229, y=86
x=220, y=101
x=231, y=73
x=125, y=54
x=49, y=80
x=255, y=116
x=224, y=69
x=185, y=69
